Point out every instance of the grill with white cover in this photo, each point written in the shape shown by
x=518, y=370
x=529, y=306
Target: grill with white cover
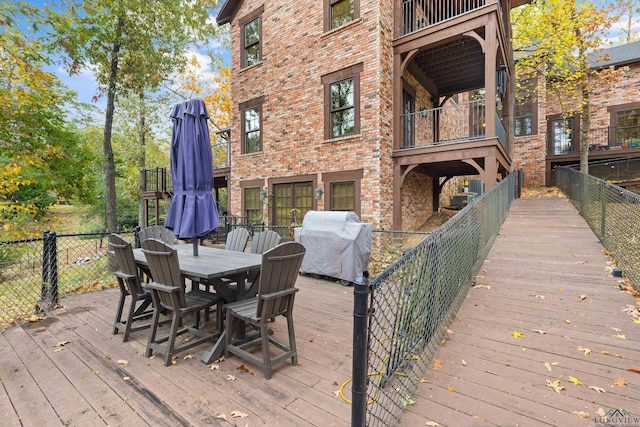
x=338, y=245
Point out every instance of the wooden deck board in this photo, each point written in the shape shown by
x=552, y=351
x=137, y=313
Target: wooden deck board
x=544, y=249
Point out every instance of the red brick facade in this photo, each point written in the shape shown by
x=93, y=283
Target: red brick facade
x=530, y=152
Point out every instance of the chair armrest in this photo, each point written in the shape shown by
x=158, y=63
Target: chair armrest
x=162, y=288
x=278, y=294
x=124, y=276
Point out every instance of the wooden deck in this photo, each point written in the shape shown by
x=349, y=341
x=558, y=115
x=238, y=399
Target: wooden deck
x=68, y=369
x=542, y=263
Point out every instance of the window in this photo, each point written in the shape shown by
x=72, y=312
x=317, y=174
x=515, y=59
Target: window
x=251, y=38
x=563, y=135
x=343, y=196
x=340, y=12
x=291, y=202
x=342, y=102
x=628, y=124
x=526, y=107
x=251, y=116
x=252, y=205
x=342, y=190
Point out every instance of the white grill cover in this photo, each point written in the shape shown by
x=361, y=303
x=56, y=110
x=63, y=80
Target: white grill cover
x=338, y=245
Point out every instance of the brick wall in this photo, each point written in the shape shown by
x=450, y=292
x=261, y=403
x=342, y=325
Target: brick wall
x=296, y=53
x=530, y=151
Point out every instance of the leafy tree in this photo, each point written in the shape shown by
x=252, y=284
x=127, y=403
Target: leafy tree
x=41, y=156
x=132, y=46
x=629, y=11
x=554, y=38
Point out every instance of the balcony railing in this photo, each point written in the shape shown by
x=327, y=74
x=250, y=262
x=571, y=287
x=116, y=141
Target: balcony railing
x=600, y=139
x=458, y=122
x=419, y=14
x=156, y=180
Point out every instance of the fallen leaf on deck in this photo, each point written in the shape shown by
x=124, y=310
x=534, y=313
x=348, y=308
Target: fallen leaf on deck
x=34, y=318
x=58, y=349
x=539, y=331
x=337, y=392
x=620, y=382
x=61, y=343
x=620, y=336
x=583, y=297
x=450, y=388
x=238, y=414
x=636, y=371
x=188, y=356
x=221, y=416
x=606, y=353
x=202, y=399
x=421, y=380
x=406, y=401
x=464, y=363
x=575, y=381
x=561, y=289
x=547, y=365
x=517, y=334
x=598, y=389
x=126, y=378
x=618, y=330
x=585, y=350
x=432, y=424
x=481, y=287
x=220, y=359
x=123, y=362
x=567, y=321
x=538, y=296
x=174, y=361
x=555, y=385
x=581, y=262
x=413, y=357
x=581, y=414
x=231, y=378
x=437, y=364
x=214, y=367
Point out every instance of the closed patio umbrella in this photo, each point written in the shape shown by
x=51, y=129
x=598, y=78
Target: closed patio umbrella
x=192, y=212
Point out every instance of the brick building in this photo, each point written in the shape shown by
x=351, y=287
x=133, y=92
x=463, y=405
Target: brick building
x=547, y=137
x=363, y=105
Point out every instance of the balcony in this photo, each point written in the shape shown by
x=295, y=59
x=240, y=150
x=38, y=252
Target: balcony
x=449, y=124
x=420, y=14
x=608, y=139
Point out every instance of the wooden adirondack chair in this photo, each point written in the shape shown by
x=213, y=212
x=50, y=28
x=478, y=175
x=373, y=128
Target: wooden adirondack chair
x=237, y=240
x=276, y=292
x=168, y=293
x=129, y=282
x=263, y=241
x=157, y=232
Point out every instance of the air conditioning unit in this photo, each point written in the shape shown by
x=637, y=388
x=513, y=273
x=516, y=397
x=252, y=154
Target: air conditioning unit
x=461, y=200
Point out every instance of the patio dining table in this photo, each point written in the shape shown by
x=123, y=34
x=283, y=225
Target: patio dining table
x=210, y=267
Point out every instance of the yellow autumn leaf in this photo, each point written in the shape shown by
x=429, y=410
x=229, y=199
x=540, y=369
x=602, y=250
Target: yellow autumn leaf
x=123, y=362
x=517, y=334
x=620, y=336
x=437, y=364
x=555, y=385
x=575, y=381
x=421, y=380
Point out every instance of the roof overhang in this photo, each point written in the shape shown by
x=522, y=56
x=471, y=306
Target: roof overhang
x=228, y=11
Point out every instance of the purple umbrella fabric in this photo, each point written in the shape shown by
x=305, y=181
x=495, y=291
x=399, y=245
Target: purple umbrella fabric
x=192, y=212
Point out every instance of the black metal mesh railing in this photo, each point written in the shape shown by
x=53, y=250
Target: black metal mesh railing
x=36, y=273
x=413, y=301
x=613, y=214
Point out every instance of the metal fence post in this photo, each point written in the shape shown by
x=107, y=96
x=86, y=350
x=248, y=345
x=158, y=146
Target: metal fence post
x=49, y=292
x=360, y=351
x=520, y=183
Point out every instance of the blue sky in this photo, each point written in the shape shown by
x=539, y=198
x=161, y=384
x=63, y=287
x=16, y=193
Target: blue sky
x=84, y=83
